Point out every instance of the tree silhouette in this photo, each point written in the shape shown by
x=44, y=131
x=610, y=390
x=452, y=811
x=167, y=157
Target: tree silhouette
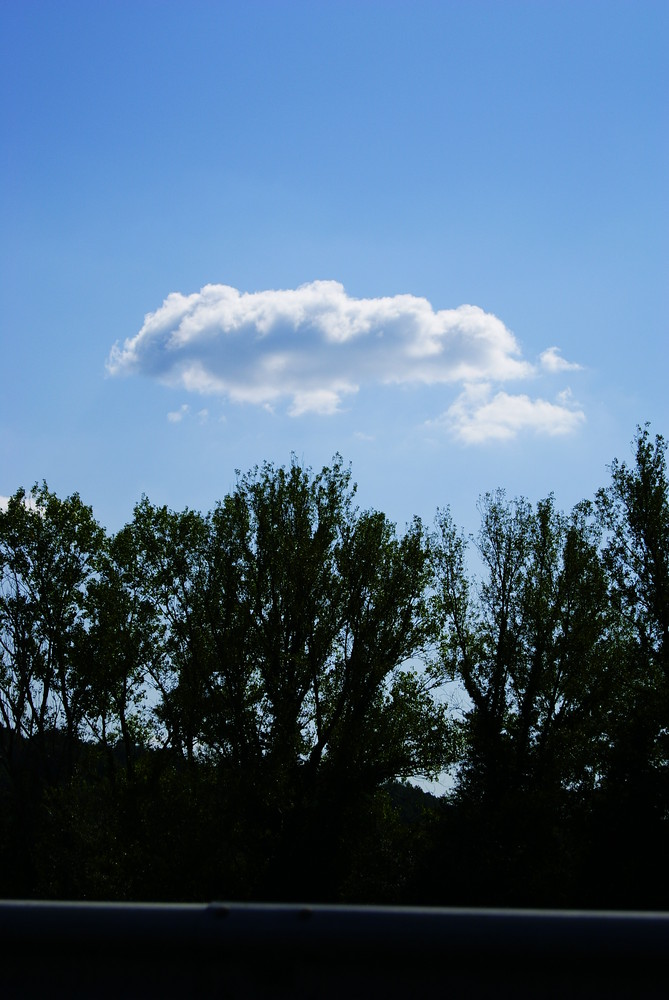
x=226, y=704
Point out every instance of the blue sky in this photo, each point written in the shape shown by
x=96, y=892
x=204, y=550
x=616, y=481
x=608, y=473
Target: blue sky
x=432, y=237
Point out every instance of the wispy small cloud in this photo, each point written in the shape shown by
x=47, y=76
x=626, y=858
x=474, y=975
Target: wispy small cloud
x=311, y=349
x=552, y=361
x=176, y=416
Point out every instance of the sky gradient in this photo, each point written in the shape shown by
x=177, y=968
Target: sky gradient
x=432, y=237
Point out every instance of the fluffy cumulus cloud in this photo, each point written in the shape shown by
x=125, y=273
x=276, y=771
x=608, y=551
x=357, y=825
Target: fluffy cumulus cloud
x=477, y=415
x=313, y=347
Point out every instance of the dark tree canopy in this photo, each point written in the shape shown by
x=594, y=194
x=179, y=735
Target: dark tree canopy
x=228, y=704
x=287, y=620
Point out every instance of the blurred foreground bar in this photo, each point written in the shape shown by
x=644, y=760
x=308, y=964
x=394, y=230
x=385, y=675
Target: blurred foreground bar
x=246, y=951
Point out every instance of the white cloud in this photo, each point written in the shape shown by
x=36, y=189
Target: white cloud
x=313, y=345
x=28, y=502
x=319, y=400
x=552, y=361
x=312, y=348
x=176, y=416
x=477, y=416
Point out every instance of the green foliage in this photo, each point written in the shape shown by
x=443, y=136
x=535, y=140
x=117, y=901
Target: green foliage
x=527, y=642
x=120, y=649
x=288, y=619
x=634, y=512
x=49, y=550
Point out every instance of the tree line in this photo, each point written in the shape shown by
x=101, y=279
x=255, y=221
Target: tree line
x=229, y=705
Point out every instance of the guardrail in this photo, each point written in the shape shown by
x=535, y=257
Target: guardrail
x=102, y=951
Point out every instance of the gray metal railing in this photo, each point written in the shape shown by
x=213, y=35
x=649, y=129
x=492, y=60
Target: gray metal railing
x=218, y=950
